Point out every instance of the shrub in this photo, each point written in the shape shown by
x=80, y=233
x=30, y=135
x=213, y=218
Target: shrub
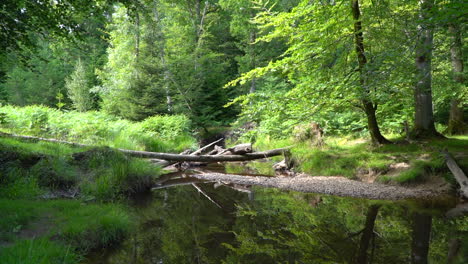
x=157, y=133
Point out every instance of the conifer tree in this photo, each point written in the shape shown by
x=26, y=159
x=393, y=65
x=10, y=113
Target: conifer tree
x=78, y=88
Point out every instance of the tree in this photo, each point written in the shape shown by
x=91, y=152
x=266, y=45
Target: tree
x=78, y=88
x=424, y=116
x=456, y=124
x=368, y=106
x=317, y=63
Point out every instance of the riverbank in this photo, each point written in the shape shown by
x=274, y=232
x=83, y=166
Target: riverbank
x=401, y=163
x=59, y=202
x=64, y=201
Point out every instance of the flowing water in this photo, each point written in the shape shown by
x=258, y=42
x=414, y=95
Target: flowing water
x=188, y=221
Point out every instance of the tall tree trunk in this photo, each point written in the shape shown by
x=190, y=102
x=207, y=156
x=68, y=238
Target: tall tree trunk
x=167, y=73
x=368, y=106
x=367, y=234
x=422, y=224
x=253, y=62
x=456, y=124
x=424, y=117
x=137, y=36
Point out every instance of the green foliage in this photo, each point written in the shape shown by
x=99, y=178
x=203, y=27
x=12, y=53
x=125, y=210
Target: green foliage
x=40, y=251
x=354, y=158
x=55, y=173
x=158, y=133
x=75, y=226
x=100, y=173
x=16, y=215
x=78, y=89
x=111, y=174
x=92, y=226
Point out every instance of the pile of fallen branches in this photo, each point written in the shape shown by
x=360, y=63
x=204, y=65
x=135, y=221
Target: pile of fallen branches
x=210, y=153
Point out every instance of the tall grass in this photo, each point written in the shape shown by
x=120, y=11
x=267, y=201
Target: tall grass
x=99, y=173
x=39, y=251
x=73, y=225
x=156, y=133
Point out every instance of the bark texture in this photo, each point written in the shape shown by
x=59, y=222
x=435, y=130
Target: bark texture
x=458, y=173
x=456, y=124
x=368, y=106
x=424, y=117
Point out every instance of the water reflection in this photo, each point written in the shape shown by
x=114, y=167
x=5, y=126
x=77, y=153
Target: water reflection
x=183, y=224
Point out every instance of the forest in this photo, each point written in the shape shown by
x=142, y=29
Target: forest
x=233, y=131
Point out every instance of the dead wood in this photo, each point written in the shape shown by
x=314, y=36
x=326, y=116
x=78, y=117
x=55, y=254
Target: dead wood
x=236, y=150
x=171, y=156
x=460, y=176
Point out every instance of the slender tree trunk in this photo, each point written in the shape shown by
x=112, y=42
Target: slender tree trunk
x=367, y=234
x=137, y=36
x=253, y=62
x=167, y=73
x=422, y=224
x=456, y=124
x=424, y=117
x=368, y=106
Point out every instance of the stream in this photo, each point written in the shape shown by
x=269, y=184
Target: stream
x=186, y=220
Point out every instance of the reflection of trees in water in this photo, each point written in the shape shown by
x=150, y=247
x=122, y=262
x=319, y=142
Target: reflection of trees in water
x=182, y=226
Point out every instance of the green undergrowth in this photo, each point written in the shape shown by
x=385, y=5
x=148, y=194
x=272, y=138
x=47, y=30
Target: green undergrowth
x=28, y=169
x=34, y=230
x=353, y=158
x=68, y=229
x=169, y=133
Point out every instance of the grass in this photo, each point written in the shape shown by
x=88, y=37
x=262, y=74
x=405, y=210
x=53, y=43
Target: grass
x=348, y=157
x=39, y=251
x=27, y=169
x=170, y=133
x=76, y=228
x=103, y=176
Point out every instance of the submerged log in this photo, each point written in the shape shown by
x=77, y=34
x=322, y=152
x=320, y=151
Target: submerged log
x=460, y=176
x=338, y=186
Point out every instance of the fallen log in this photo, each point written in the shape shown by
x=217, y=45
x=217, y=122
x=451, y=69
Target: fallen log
x=457, y=172
x=44, y=139
x=171, y=156
x=338, y=186
x=165, y=163
x=200, y=150
x=237, y=150
x=205, y=158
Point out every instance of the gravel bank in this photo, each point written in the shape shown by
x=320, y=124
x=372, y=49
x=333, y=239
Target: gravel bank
x=338, y=186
